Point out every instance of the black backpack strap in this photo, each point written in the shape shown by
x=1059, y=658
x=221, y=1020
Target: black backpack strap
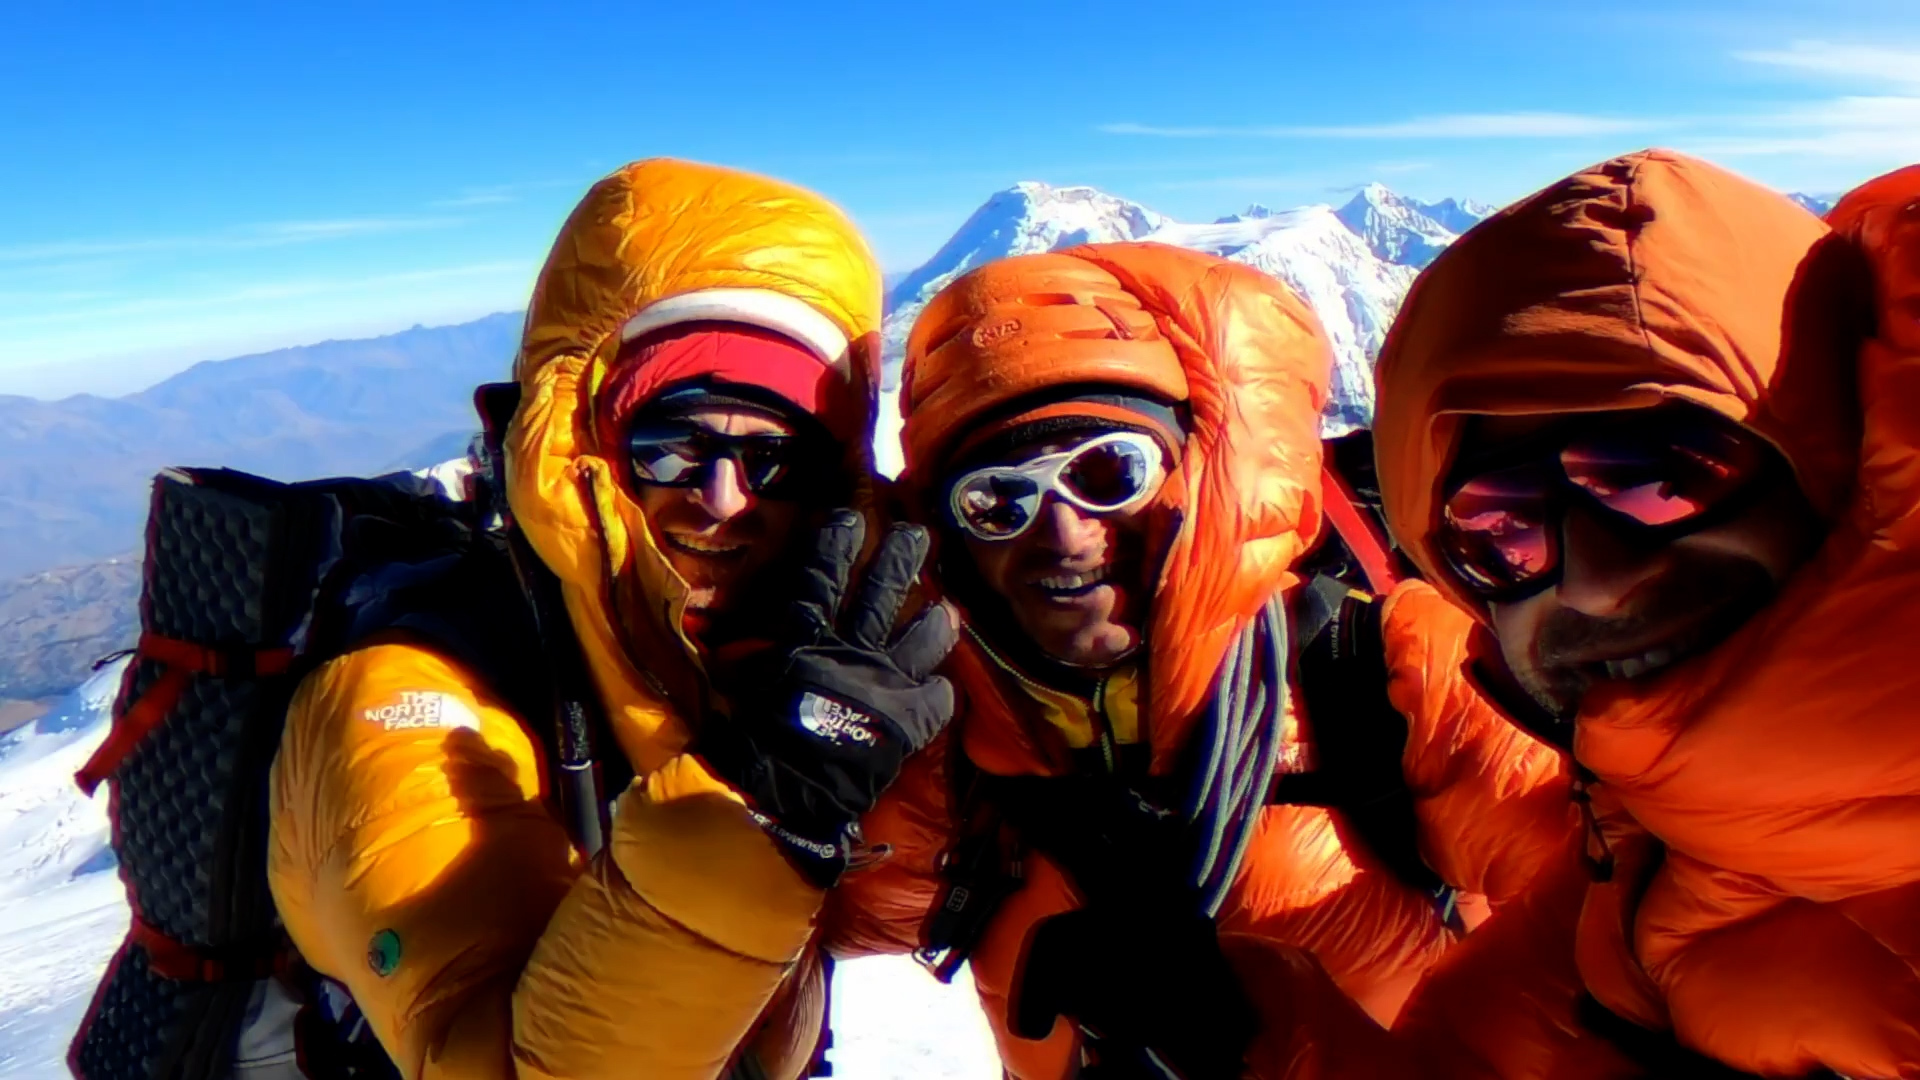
x=580, y=726
x=981, y=869
x=1359, y=736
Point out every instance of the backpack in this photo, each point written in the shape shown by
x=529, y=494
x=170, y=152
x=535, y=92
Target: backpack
x=1361, y=737
x=248, y=585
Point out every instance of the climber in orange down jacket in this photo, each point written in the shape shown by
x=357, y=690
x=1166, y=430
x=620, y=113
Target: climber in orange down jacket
x=697, y=382
x=1658, y=429
x=1118, y=447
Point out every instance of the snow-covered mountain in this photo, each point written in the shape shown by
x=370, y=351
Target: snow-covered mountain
x=1396, y=229
x=1026, y=218
x=1456, y=215
x=1352, y=265
x=63, y=912
x=1819, y=204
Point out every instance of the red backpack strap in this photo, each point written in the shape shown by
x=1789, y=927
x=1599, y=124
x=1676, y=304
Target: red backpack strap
x=179, y=661
x=177, y=960
x=1357, y=530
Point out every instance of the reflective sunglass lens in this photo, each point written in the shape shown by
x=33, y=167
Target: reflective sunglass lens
x=665, y=463
x=1496, y=528
x=766, y=462
x=996, y=505
x=1108, y=475
x=1660, y=478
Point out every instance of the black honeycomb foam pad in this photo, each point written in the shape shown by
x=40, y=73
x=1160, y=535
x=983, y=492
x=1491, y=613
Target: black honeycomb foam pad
x=145, y=1027
x=232, y=564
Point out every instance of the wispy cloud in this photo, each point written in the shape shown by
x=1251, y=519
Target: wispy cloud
x=1268, y=182
x=261, y=292
x=498, y=194
x=1851, y=63
x=1878, y=127
x=298, y=231
x=478, y=198
x=1517, y=125
x=244, y=237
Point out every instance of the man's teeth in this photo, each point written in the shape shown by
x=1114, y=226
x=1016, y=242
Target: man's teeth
x=1634, y=667
x=700, y=546
x=1070, y=582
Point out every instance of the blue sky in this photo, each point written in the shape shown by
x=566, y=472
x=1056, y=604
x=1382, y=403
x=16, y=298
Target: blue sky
x=221, y=178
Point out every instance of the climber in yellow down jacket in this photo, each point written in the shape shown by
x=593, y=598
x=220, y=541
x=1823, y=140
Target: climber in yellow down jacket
x=696, y=407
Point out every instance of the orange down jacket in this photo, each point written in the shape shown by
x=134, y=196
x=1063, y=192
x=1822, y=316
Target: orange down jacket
x=515, y=959
x=1311, y=915
x=1762, y=801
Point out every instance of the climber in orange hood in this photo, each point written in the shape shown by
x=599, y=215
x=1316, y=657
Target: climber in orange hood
x=1119, y=448
x=1629, y=425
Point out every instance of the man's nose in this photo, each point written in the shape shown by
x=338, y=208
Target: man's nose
x=1603, y=570
x=723, y=494
x=1065, y=530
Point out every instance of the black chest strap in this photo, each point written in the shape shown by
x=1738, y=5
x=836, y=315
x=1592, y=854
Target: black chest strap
x=1358, y=735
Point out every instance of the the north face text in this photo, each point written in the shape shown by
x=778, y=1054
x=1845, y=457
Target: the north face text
x=418, y=709
x=829, y=718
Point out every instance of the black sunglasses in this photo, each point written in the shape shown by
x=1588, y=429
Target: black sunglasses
x=682, y=454
x=1661, y=475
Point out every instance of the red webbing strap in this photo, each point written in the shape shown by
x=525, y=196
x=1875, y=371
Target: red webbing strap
x=1357, y=531
x=172, y=959
x=179, y=660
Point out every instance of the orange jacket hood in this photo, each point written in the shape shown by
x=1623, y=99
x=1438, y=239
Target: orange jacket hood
x=1236, y=346
x=658, y=242
x=1760, y=798
x=1647, y=278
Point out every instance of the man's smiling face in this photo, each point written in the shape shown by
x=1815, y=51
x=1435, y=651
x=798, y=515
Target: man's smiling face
x=719, y=535
x=1075, y=582
x=1624, y=603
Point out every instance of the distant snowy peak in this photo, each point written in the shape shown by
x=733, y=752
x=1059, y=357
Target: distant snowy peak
x=1354, y=292
x=1396, y=229
x=1455, y=215
x=1819, y=204
x=1025, y=219
x=1253, y=212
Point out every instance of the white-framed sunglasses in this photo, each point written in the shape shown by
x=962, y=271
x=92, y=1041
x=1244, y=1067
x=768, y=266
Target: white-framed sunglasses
x=1107, y=474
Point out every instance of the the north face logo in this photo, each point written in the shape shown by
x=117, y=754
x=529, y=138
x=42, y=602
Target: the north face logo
x=418, y=709
x=834, y=721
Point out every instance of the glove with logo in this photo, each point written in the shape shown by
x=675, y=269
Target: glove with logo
x=813, y=745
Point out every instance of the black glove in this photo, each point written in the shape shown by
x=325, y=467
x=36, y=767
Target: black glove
x=1150, y=990
x=814, y=741
x=1139, y=969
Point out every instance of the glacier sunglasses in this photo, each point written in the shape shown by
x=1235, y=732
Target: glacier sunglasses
x=1108, y=474
x=1660, y=476
x=682, y=454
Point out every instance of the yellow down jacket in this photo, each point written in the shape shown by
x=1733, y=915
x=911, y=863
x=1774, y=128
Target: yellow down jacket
x=414, y=853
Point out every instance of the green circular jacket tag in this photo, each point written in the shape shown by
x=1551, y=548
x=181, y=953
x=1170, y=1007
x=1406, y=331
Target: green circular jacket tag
x=383, y=953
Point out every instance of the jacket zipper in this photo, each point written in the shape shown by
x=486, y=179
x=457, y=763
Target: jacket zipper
x=1096, y=705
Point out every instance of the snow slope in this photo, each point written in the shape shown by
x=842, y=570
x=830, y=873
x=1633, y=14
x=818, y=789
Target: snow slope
x=63, y=912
